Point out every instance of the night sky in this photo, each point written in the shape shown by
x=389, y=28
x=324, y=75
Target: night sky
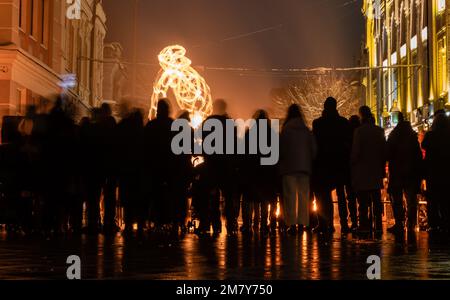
x=244, y=34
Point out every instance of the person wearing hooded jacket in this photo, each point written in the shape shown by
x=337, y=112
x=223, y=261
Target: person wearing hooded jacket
x=405, y=164
x=297, y=152
x=332, y=165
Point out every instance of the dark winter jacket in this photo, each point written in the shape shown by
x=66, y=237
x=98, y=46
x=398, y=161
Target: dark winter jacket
x=333, y=136
x=404, y=156
x=368, y=159
x=437, y=158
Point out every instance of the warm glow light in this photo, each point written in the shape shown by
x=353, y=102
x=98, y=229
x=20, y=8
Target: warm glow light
x=394, y=58
x=198, y=160
x=278, y=212
x=403, y=51
x=441, y=5
x=315, y=205
x=135, y=226
x=414, y=43
x=189, y=87
x=196, y=120
x=425, y=34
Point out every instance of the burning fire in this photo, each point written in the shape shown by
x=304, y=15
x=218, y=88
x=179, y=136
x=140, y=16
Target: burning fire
x=196, y=120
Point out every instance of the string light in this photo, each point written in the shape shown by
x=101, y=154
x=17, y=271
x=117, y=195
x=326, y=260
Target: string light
x=191, y=91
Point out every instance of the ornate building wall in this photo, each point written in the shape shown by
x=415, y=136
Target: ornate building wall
x=39, y=45
x=406, y=44
x=115, y=72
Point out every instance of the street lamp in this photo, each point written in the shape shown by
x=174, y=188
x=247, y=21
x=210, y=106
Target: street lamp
x=395, y=112
x=386, y=117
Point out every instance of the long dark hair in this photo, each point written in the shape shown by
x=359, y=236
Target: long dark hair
x=261, y=114
x=440, y=122
x=366, y=115
x=294, y=112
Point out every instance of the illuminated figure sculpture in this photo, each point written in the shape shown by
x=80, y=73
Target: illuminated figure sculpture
x=189, y=87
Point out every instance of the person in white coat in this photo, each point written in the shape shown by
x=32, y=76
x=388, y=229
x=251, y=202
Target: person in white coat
x=297, y=152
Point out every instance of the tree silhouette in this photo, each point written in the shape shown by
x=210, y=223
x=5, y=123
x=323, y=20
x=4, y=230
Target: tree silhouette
x=311, y=91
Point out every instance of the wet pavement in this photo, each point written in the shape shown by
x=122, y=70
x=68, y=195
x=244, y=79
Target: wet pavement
x=190, y=257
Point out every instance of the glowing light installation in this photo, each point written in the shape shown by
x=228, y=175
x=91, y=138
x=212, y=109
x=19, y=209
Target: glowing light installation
x=191, y=91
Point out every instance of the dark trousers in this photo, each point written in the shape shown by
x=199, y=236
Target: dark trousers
x=180, y=196
x=109, y=199
x=94, y=191
x=370, y=206
x=250, y=212
x=325, y=208
x=75, y=212
x=134, y=206
x=95, y=186
x=231, y=196
x=352, y=206
x=398, y=205
x=342, y=206
x=255, y=209
x=208, y=208
x=257, y=213
x=438, y=206
x=55, y=205
x=162, y=203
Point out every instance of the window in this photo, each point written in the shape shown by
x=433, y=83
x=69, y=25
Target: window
x=21, y=101
x=441, y=5
x=21, y=14
x=442, y=67
x=44, y=22
x=386, y=87
x=32, y=17
x=394, y=58
x=414, y=43
x=403, y=51
x=425, y=34
x=394, y=86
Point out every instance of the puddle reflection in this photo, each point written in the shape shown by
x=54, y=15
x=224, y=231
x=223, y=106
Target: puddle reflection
x=307, y=256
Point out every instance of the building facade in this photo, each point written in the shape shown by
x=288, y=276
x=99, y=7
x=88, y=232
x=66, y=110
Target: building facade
x=406, y=49
x=41, y=43
x=115, y=74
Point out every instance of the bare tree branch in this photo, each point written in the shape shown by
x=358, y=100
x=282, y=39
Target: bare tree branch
x=310, y=93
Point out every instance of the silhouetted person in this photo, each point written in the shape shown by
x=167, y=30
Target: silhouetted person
x=88, y=156
x=10, y=176
x=222, y=171
x=81, y=168
x=437, y=146
x=30, y=153
x=108, y=128
x=159, y=164
x=331, y=168
x=297, y=152
x=130, y=155
x=354, y=122
x=261, y=181
x=60, y=152
x=16, y=175
x=182, y=174
x=99, y=139
x=368, y=162
x=405, y=164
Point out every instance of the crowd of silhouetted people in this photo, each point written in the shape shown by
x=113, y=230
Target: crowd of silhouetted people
x=58, y=175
